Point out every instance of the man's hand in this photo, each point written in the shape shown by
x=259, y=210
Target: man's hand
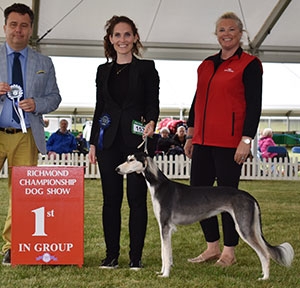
x=28, y=105
x=4, y=88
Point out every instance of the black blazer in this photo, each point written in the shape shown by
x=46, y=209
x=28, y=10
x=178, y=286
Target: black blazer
x=143, y=102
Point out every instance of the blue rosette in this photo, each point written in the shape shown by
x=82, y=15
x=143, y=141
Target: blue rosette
x=104, y=122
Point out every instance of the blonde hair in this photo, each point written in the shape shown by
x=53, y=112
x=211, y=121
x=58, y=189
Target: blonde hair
x=232, y=16
x=267, y=132
x=181, y=127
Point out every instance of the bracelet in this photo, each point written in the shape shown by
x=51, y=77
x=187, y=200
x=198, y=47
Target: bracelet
x=188, y=137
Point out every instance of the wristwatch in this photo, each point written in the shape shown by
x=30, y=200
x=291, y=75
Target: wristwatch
x=246, y=141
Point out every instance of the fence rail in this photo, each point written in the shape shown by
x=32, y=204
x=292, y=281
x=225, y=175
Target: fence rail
x=178, y=167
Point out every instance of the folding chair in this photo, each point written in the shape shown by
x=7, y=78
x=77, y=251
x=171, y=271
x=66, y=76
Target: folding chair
x=281, y=153
x=296, y=149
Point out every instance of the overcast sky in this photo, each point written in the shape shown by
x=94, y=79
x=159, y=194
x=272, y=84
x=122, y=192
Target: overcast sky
x=76, y=80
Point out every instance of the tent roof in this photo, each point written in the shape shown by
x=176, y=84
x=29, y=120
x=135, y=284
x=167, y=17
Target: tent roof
x=169, y=29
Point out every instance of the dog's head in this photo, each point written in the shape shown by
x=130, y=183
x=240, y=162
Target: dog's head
x=134, y=163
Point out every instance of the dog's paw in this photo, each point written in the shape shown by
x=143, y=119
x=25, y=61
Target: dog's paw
x=163, y=276
x=263, y=278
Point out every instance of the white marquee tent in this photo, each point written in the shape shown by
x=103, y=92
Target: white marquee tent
x=169, y=29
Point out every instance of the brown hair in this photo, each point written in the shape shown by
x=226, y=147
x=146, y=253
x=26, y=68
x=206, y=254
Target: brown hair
x=109, y=50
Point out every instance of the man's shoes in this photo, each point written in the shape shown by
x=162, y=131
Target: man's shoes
x=6, y=258
x=136, y=265
x=109, y=263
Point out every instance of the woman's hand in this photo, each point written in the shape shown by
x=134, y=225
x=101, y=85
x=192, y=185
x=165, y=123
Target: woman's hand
x=149, y=129
x=92, y=154
x=188, y=148
x=242, y=151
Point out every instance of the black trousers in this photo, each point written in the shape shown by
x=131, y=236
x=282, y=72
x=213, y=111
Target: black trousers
x=211, y=163
x=112, y=187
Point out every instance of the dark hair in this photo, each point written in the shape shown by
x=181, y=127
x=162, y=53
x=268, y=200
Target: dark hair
x=19, y=8
x=110, y=52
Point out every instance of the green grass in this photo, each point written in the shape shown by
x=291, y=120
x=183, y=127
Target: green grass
x=280, y=206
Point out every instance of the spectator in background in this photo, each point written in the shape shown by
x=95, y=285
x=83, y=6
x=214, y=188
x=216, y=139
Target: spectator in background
x=62, y=141
x=179, y=138
x=164, y=143
x=86, y=133
x=81, y=144
x=265, y=142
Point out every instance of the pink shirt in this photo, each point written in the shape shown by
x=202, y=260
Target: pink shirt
x=264, y=143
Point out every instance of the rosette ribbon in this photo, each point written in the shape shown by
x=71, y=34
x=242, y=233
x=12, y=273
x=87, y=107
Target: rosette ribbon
x=104, y=122
x=15, y=94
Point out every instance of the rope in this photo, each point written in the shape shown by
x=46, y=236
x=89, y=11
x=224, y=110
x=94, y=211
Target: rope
x=245, y=24
x=153, y=21
x=59, y=21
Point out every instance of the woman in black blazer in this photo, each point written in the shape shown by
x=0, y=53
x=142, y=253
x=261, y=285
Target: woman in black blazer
x=127, y=91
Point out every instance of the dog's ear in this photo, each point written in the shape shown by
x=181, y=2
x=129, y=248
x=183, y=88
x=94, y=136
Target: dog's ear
x=145, y=163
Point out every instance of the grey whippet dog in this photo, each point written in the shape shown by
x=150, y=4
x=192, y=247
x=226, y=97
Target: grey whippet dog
x=179, y=204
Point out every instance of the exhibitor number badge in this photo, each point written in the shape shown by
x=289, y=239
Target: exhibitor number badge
x=137, y=128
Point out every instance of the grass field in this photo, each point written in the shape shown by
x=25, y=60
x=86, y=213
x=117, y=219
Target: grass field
x=280, y=206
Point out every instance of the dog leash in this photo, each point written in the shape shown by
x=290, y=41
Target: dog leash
x=145, y=141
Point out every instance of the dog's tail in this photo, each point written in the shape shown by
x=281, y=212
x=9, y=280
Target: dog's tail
x=283, y=254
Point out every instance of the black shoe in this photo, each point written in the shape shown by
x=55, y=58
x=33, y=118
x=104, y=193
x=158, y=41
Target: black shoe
x=109, y=263
x=136, y=265
x=6, y=258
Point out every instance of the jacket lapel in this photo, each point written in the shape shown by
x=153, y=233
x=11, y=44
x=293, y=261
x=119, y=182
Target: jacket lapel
x=30, y=67
x=133, y=80
x=3, y=64
x=106, y=77
x=3, y=73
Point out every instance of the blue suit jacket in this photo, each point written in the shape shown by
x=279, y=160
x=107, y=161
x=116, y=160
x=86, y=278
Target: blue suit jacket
x=41, y=86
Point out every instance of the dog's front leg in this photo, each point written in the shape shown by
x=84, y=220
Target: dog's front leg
x=166, y=251
x=161, y=252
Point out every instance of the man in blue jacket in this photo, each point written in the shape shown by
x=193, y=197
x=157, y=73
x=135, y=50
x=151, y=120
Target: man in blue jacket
x=62, y=141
